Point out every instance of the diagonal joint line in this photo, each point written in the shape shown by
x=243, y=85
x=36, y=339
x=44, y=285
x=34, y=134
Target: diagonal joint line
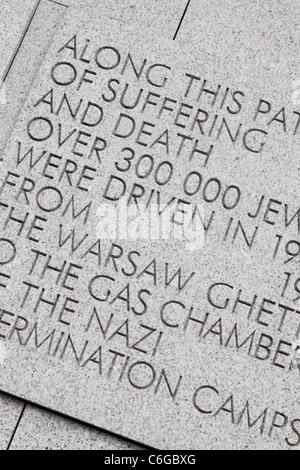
x=58, y=3
x=21, y=40
x=180, y=23
x=16, y=427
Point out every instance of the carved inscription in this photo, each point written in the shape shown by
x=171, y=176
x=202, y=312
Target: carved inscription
x=117, y=229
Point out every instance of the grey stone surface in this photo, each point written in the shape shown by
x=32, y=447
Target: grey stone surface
x=9, y=414
x=259, y=30
x=243, y=366
x=40, y=430
x=30, y=53
x=48, y=15
x=13, y=19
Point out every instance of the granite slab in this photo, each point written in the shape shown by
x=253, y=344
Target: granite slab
x=150, y=238
x=28, y=28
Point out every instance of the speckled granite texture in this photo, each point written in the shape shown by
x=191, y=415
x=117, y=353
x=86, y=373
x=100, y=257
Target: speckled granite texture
x=40, y=430
x=9, y=414
x=14, y=17
x=174, y=341
x=16, y=37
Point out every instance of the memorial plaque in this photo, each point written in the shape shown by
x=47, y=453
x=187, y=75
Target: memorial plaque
x=31, y=40
x=150, y=241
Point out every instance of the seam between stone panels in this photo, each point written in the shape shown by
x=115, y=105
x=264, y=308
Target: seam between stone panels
x=35, y=8
x=5, y=393
x=182, y=18
x=21, y=40
x=16, y=427
x=27, y=28
x=76, y=420
x=58, y=3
